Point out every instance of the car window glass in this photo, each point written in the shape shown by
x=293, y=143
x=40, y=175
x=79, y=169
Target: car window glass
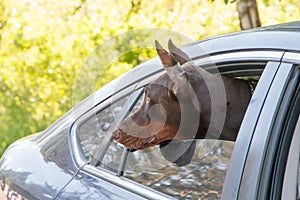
x=112, y=157
x=202, y=178
x=92, y=132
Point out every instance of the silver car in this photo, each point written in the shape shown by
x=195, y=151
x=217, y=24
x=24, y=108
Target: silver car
x=74, y=158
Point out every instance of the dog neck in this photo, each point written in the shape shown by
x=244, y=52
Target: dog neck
x=226, y=121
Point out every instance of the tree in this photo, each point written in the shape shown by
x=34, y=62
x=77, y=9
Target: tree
x=248, y=14
x=44, y=46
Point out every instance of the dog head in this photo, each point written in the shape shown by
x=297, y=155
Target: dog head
x=165, y=101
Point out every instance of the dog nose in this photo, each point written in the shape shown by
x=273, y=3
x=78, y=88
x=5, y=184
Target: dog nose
x=116, y=134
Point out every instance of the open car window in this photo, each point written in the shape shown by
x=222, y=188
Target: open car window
x=203, y=177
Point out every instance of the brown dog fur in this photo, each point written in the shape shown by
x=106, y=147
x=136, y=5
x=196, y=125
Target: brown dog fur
x=167, y=99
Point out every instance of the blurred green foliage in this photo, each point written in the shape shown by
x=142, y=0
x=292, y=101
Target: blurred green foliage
x=44, y=43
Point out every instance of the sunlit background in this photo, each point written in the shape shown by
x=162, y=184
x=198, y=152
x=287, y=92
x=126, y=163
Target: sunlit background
x=43, y=44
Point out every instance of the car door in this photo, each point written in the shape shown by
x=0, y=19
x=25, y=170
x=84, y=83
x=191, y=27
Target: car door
x=110, y=171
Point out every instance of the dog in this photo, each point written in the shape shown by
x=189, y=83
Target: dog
x=184, y=104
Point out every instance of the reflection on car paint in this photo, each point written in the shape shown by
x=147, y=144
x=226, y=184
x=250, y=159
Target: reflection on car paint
x=8, y=193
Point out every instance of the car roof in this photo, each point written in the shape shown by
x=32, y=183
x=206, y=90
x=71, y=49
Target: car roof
x=290, y=26
x=278, y=37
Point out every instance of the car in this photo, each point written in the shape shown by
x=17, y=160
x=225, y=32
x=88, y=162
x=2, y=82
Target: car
x=76, y=159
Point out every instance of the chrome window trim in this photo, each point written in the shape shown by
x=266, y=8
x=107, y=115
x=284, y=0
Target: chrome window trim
x=291, y=57
x=76, y=149
x=262, y=55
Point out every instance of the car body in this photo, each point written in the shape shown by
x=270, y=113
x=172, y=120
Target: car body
x=72, y=160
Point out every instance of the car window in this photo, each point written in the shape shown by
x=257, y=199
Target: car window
x=202, y=178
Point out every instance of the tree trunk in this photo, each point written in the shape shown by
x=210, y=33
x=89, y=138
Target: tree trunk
x=248, y=14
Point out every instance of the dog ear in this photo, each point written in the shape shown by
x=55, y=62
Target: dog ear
x=165, y=57
x=179, y=77
x=177, y=53
x=178, y=152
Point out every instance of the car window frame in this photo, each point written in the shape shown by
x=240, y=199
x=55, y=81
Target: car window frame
x=84, y=164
